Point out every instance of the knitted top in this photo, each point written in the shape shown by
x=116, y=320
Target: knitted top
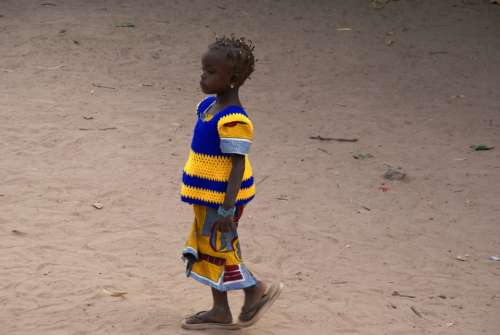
x=207, y=170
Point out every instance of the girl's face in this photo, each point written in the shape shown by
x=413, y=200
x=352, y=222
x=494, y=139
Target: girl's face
x=216, y=73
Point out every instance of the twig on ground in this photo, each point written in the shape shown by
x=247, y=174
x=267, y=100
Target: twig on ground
x=417, y=313
x=397, y=294
x=262, y=180
x=323, y=150
x=57, y=67
x=102, y=86
x=101, y=129
x=338, y=139
x=432, y=53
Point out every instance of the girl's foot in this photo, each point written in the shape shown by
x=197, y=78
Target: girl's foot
x=211, y=316
x=251, y=313
x=211, y=319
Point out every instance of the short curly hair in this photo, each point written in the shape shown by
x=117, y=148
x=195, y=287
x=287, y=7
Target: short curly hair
x=240, y=52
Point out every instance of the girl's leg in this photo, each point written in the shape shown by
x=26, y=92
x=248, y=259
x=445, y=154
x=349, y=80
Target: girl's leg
x=253, y=294
x=221, y=306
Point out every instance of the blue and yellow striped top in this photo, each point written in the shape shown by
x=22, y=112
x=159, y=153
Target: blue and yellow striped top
x=207, y=170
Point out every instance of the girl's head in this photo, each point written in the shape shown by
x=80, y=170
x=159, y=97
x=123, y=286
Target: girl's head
x=226, y=65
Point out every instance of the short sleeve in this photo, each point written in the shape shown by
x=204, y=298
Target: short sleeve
x=236, y=134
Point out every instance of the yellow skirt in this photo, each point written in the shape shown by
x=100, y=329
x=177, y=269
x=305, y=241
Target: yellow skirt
x=216, y=256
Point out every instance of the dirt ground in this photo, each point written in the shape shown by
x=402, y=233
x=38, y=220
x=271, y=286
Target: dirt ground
x=94, y=112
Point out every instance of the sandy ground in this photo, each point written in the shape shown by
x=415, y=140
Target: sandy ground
x=91, y=112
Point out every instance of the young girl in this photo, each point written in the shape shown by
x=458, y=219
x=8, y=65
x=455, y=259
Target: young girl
x=218, y=182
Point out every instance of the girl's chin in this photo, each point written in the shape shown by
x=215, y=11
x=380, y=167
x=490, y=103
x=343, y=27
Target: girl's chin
x=205, y=89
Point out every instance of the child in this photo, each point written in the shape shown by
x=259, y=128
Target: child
x=218, y=182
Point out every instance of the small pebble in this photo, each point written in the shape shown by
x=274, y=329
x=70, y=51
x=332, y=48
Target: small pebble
x=98, y=205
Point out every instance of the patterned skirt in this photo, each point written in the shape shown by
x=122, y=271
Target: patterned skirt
x=216, y=256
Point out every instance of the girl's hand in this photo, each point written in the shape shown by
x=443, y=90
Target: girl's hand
x=224, y=224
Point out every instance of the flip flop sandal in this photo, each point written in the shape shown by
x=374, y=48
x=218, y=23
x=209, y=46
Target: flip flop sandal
x=204, y=323
x=255, y=312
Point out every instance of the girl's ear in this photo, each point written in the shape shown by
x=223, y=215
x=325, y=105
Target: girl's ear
x=235, y=79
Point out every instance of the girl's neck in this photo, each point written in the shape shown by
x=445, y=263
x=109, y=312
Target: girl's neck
x=229, y=97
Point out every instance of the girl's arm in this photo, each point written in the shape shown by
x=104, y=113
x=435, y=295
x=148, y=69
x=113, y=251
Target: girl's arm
x=234, y=182
x=225, y=224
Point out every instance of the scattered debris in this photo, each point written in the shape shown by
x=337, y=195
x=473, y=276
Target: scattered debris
x=76, y=42
x=321, y=138
x=363, y=156
x=481, y=147
x=344, y=29
x=19, y=233
x=495, y=258
x=102, y=86
x=282, y=197
x=450, y=324
x=383, y=187
x=146, y=84
x=417, y=313
x=366, y=208
x=88, y=117
x=98, y=205
x=458, y=96
x=6, y=70
x=124, y=25
x=442, y=296
x=62, y=31
x=113, y=293
x=393, y=306
x=48, y=4
x=394, y=174
x=397, y=294
x=389, y=42
x=462, y=258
